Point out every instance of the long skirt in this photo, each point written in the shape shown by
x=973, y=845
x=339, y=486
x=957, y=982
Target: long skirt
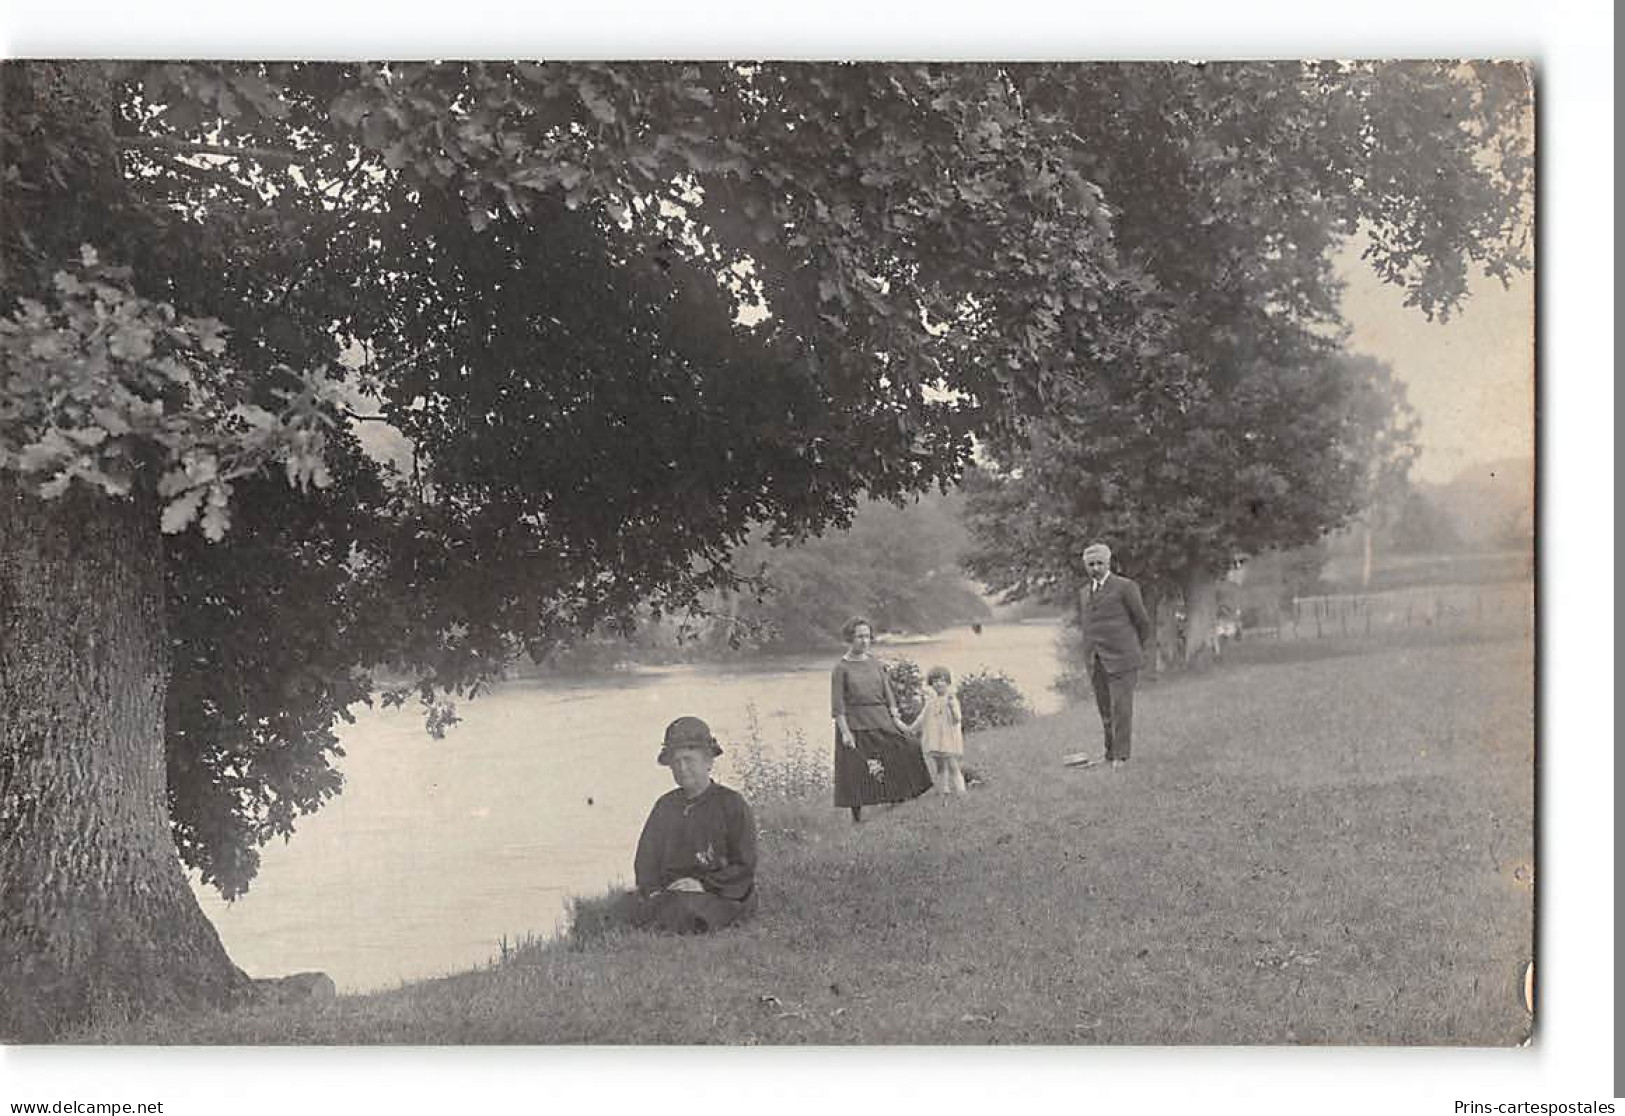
x=902, y=773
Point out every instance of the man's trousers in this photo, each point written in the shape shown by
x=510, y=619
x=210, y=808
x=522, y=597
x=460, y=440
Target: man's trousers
x=1114, y=695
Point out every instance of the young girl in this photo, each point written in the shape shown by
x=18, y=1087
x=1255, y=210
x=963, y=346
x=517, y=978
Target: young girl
x=940, y=732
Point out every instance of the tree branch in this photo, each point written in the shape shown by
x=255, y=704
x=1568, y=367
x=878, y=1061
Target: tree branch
x=188, y=147
x=201, y=176
x=335, y=221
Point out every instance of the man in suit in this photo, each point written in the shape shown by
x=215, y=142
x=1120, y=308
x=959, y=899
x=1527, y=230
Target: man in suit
x=1115, y=628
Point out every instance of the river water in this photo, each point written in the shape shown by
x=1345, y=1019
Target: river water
x=437, y=849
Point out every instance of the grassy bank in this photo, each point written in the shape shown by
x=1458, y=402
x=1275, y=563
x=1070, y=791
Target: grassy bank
x=1334, y=849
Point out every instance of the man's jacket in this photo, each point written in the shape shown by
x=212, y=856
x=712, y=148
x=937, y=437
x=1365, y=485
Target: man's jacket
x=1114, y=624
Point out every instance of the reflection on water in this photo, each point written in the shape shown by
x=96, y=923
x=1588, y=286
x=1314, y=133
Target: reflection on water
x=438, y=848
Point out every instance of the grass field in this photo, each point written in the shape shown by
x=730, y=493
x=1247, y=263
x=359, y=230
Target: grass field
x=1315, y=843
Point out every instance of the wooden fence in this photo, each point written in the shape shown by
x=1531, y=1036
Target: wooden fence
x=1500, y=605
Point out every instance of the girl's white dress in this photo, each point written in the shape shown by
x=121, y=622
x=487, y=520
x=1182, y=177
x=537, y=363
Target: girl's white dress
x=940, y=725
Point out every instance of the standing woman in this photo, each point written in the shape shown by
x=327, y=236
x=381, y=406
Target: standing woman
x=874, y=760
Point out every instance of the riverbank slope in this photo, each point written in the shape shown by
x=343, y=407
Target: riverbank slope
x=1325, y=842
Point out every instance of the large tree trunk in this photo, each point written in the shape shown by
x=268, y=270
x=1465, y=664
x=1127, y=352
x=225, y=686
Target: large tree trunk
x=1201, y=613
x=96, y=918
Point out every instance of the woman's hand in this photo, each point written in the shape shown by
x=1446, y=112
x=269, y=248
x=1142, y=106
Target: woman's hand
x=843, y=732
x=687, y=883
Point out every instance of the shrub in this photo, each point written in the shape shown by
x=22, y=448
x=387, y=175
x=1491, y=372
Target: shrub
x=795, y=770
x=989, y=699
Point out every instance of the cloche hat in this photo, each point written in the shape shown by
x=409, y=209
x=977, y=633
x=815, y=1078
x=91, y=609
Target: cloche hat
x=687, y=732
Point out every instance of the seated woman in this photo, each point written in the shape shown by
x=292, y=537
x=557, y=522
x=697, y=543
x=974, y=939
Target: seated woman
x=696, y=861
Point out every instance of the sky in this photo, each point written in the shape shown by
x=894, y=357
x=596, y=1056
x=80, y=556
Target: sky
x=1471, y=380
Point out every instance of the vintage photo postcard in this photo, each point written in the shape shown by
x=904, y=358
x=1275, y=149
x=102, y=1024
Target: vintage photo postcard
x=768, y=553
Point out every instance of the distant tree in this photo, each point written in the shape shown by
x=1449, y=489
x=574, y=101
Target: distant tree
x=1490, y=503
x=1302, y=569
x=1231, y=185
x=900, y=566
x=1182, y=495
x=1423, y=527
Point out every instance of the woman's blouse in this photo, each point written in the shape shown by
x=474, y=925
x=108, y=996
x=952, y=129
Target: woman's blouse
x=860, y=691
x=710, y=838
